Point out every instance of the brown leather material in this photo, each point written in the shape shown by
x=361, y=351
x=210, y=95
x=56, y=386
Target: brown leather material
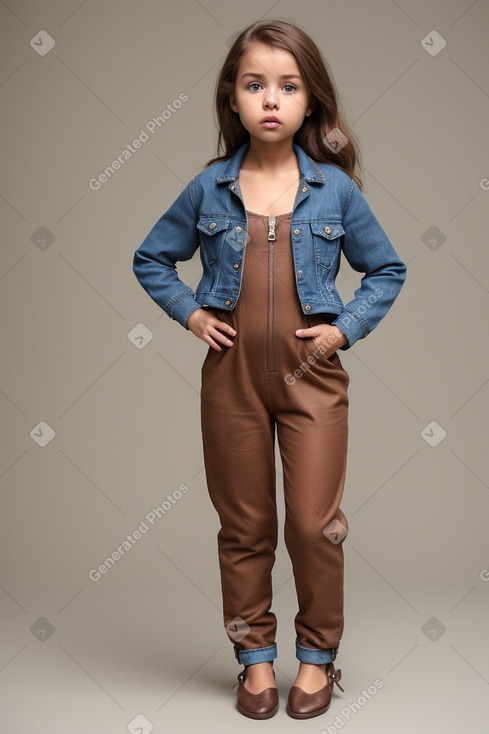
x=261, y=705
x=302, y=705
x=272, y=384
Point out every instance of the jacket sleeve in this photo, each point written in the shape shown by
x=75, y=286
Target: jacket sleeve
x=368, y=250
x=173, y=238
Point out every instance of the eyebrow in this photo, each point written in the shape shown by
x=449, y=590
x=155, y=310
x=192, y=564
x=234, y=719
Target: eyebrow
x=262, y=76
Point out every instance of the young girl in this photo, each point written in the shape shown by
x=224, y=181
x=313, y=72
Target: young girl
x=271, y=217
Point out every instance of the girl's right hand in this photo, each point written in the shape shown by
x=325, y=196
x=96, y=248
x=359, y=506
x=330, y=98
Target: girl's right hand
x=207, y=327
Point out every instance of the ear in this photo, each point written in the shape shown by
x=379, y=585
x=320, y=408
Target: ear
x=232, y=103
x=311, y=108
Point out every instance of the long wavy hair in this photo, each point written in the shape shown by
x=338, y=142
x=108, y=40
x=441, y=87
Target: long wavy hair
x=323, y=123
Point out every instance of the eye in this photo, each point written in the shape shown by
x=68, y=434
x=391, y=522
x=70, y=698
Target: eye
x=253, y=84
x=290, y=85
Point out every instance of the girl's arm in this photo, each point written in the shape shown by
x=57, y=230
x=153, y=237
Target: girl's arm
x=173, y=238
x=368, y=250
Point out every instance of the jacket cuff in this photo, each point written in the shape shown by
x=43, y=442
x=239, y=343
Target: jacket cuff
x=182, y=309
x=351, y=327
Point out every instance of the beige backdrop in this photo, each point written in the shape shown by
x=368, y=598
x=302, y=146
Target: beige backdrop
x=100, y=389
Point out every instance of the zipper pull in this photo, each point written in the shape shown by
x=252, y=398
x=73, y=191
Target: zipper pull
x=271, y=229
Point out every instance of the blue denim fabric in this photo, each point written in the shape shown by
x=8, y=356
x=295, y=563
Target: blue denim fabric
x=330, y=216
x=267, y=654
x=314, y=655
x=256, y=655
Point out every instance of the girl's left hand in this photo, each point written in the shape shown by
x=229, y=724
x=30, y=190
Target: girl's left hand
x=326, y=335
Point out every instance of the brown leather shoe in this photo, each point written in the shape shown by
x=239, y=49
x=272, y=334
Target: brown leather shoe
x=302, y=705
x=262, y=705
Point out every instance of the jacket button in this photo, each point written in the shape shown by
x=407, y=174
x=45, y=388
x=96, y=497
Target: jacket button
x=233, y=187
x=300, y=272
x=308, y=307
x=227, y=303
x=212, y=225
x=239, y=229
x=327, y=230
x=236, y=266
x=297, y=231
x=304, y=188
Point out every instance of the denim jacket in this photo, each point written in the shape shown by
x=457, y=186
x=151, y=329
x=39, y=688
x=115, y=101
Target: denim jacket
x=330, y=216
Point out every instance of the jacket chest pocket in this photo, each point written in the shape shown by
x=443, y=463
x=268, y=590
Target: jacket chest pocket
x=326, y=239
x=213, y=234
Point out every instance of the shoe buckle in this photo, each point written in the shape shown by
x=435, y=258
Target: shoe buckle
x=241, y=677
x=336, y=679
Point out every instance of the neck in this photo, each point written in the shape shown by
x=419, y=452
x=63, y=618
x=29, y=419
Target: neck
x=269, y=157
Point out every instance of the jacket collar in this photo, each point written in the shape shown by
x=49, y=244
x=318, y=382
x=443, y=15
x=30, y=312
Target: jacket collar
x=308, y=169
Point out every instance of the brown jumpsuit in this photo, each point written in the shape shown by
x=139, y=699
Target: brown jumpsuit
x=271, y=379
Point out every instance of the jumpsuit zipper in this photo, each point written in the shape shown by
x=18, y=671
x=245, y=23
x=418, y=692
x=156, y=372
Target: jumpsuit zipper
x=270, y=351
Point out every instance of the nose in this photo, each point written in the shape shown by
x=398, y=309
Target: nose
x=271, y=98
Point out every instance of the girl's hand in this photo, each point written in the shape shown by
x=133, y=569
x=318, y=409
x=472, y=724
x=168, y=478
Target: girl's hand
x=207, y=327
x=326, y=335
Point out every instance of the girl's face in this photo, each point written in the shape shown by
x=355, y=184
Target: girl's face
x=269, y=84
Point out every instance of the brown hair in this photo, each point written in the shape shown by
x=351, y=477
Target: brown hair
x=326, y=116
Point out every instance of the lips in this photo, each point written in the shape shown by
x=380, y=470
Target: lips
x=270, y=122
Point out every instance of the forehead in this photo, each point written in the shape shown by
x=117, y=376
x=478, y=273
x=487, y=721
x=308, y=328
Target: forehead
x=267, y=61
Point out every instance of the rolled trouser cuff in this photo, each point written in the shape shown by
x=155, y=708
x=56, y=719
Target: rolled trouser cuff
x=256, y=655
x=314, y=655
